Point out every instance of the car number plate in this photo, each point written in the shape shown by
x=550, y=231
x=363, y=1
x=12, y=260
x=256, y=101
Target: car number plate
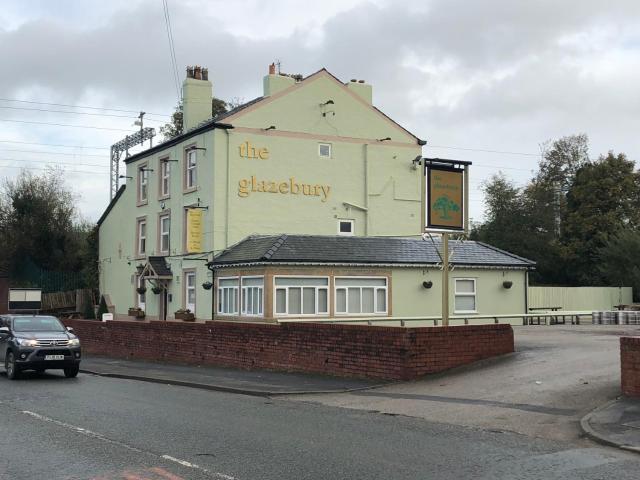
x=54, y=357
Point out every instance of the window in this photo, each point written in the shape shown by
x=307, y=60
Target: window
x=165, y=233
x=165, y=177
x=142, y=237
x=301, y=295
x=190, y=291
x=141, y=297
x=191, y=169
x=465, y=295
x=228, y=296
x=346, y=227
x=359, y=296
x=143, y=183
x=324, y=150
x=252, y=292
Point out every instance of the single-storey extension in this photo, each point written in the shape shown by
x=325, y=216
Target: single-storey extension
x=270, y=277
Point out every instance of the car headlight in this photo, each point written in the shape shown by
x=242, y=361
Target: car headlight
x=27, y=342
x=74, y=342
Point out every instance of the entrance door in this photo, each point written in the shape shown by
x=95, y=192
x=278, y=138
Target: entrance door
x=163, y=304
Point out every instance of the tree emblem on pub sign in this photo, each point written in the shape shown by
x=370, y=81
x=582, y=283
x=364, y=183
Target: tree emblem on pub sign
x=445, y=205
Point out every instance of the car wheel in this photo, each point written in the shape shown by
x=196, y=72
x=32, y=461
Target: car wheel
x=71, y=372
x=10, y=365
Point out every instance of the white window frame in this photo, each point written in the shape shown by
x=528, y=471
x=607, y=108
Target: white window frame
x=245, y=293
x=143, y=184
x=141, y=298
x=163, y=234
x=322, y=144
x=376, y=311
x=353, y=227
x=191, y=181
x=190, y=306
x=222, y=296
x=165, y=177
x=286, y=296
x=141, y=252
x=474, y=294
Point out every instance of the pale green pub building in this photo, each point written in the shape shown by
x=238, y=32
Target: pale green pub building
x=310, y=157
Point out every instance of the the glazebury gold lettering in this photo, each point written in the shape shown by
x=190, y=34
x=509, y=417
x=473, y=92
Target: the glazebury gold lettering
x=246, y=186
x=247, y=150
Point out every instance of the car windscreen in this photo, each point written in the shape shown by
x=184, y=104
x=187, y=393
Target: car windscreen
x=37, y=324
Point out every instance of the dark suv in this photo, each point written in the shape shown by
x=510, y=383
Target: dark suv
x=37, y=342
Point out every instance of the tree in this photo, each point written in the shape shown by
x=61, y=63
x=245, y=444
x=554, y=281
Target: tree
x=176, y=126
x=446, y=205
x=602, y=201
x=37, y=215
x=619, y=260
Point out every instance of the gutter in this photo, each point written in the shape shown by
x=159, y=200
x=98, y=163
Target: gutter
x=213, y=265
x=179, y=139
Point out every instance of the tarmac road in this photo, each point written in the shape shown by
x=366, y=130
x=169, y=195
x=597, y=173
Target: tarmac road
x=102, y=428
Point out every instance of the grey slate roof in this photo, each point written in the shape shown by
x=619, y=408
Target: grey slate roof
x=159, y=265
x=362, y=250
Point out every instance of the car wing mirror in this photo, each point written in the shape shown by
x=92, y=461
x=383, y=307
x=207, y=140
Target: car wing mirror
x=69, y=329
x=4, y=331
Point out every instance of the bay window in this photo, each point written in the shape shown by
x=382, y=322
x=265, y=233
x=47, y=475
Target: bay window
x=228, y=296
x=360, y=295
x=301, y=295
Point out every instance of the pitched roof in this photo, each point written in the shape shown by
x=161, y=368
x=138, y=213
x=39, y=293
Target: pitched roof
x=362, y=250
x=159, y=267
x=111, y=204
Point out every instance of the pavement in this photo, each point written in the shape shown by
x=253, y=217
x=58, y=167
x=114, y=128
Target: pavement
x=616, y=423
x=262, y=383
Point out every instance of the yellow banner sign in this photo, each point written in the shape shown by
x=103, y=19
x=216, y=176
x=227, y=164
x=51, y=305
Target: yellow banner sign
x=194, y=230
x=445, y=199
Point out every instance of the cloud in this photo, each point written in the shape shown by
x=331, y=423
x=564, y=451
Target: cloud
x=496, y=75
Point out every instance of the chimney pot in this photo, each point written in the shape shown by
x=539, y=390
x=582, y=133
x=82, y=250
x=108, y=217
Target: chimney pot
x=197, y=72
x=354, y=80
x=205, y=73
x=360, y=81
x=272, y=69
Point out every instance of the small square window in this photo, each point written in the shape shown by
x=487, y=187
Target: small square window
x=346, y=227
x=324, y=150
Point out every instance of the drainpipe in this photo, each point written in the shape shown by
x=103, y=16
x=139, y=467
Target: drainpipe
x=226, y=216
x=366, y=189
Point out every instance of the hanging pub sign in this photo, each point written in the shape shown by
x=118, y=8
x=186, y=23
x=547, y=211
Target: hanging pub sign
x=445, y=195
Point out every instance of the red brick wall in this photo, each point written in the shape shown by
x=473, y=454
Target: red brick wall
x=630, y=362
x=344, y=350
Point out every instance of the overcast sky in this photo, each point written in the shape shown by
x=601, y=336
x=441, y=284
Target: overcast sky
x=467, y=76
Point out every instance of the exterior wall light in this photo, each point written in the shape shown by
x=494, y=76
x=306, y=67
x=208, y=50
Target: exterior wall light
x=507, y=284
x=427, y=284
x=207, y=285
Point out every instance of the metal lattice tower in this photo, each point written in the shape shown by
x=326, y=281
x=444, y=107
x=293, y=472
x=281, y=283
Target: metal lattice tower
x=124, y=145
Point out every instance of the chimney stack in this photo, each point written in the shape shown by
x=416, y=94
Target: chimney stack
x=362, y=89
x=197, y=94
x=276, y=82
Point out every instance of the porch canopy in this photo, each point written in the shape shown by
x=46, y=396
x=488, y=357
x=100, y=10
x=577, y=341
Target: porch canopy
x=156, y=268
